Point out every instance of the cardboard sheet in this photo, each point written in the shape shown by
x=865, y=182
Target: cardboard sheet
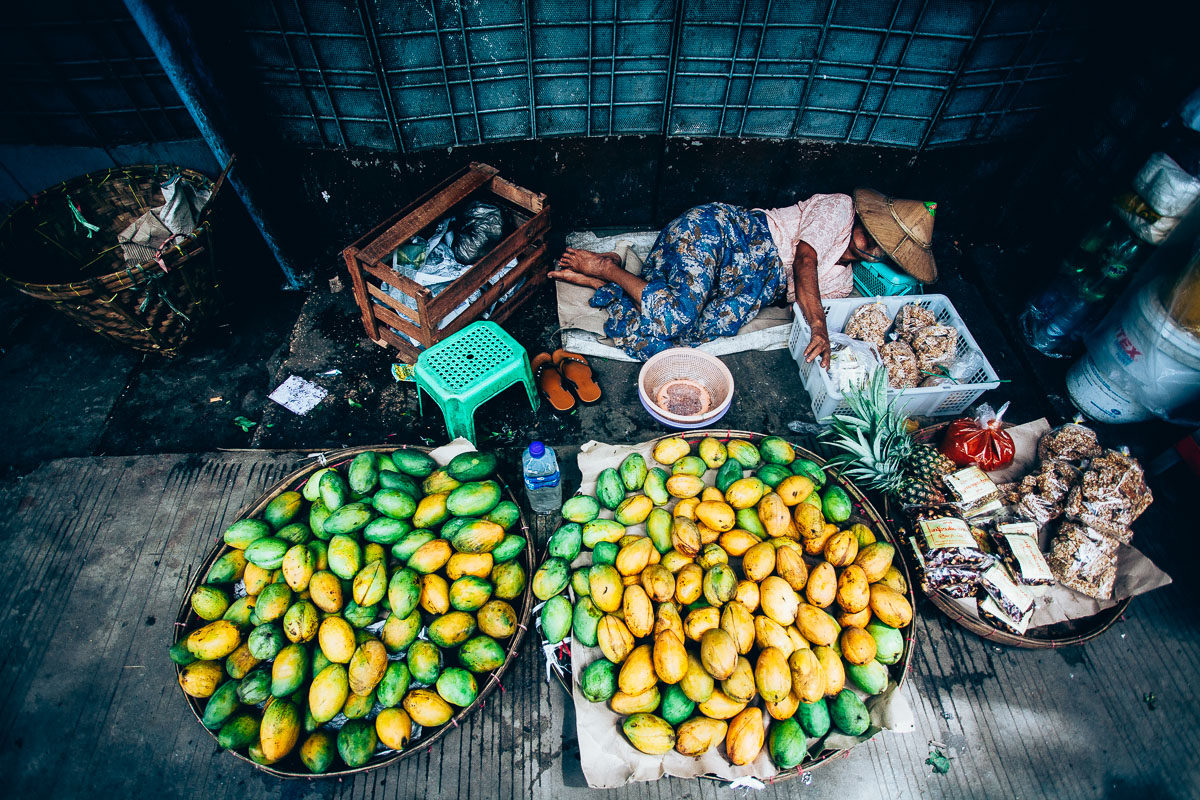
x=609, y=761
x=583, y=326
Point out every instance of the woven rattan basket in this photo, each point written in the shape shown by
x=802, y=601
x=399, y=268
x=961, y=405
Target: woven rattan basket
x=685, y=388
x=47, y=252
x=291, y=767
x=863, y=512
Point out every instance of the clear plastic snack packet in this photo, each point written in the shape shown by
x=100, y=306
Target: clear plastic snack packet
x=991, y=613
x=901, y=363
x=954, y=581
x=1070, y=442
x=943, y=539
x=1084, y=560
x=1018, y=547
x=911, y=318
x=869, y=323
x=973, y=493
x=1014, y=601
x=1112, y=494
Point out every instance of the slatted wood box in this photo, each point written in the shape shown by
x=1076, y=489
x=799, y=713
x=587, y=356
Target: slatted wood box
x=369, y=262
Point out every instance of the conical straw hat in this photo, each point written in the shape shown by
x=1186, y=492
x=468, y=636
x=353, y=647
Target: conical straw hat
x=903, y=228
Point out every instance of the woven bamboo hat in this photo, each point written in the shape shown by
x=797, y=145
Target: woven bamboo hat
x=903, y=228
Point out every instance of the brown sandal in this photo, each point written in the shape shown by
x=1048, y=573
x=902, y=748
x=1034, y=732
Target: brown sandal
x=550, y=381
x=578, y=372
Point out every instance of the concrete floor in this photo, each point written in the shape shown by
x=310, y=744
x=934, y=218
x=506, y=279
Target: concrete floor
x=117, y=489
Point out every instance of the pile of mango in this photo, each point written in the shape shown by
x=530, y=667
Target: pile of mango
x=375, y=598
x=757, y=590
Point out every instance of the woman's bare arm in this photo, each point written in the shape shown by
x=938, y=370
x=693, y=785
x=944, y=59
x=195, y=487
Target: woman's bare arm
x=808, y=297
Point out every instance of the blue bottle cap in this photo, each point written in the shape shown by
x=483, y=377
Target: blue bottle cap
x=536, y=449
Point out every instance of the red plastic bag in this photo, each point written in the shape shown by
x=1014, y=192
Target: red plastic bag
x=979, y=440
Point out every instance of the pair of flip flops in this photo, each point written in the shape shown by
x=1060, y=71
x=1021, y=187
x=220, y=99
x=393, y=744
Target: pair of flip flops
x=555, y=373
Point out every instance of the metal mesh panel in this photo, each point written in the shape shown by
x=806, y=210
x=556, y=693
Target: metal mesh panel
x=386, y=76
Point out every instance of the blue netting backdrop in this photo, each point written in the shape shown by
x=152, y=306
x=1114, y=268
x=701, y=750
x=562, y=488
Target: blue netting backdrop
x=378, y=75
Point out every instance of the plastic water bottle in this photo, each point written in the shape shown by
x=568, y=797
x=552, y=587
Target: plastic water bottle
x=543, y=481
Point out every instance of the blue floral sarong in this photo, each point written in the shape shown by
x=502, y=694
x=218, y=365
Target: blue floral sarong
x=708, y=274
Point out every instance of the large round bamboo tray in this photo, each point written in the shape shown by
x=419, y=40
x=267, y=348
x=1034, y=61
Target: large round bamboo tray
x=864, y=511
x=291, y=766
x=1062, y=634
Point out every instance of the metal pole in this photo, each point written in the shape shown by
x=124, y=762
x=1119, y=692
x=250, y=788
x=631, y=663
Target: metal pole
x=170, y=37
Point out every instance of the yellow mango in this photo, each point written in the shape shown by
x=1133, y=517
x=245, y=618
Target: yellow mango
x=637, y=611
x=822, y=585
x=808, y=676
x=718, y=653
x=895, y=579
x=674, y=561
x=720, y=706
x=737, y=542
x=670, y=658
x=858, y=646
x=633, y=557
x=747, y=594
x=668, y=451
x=809, y=521
x=614, y=637
x=643, y=703
x=863, y=533
x=745, y=492
x=659, y=583
x=853, y=590
x=716, y=514
x=774, y=515
x=794, y=489
x=697, y=684
x=790, y=566
x=685, y=537
x=778, y=600
x=637, y=671
x=684, y=485
x=689, y=584
x=686, y=508
x=831, y=667
x=336, y=639
x=856, y=619
x=666, y=618
x=841, y=549
x=815, y=625
x=816, y=545
x=201, y=678
x=739, y=686
x=770, y=634
x=697, y=735
x=738, y=622
x=367, y=666
x=256, y=578
x=785, y=709
x=700, y=621
x=875, y=559
x=772, y=675
x=604, y=584
x=744, y=739
x=889, y=606
x=215, y=640
x=477, y=564
x=325, y=591
x=394, y=728
x=427, y=708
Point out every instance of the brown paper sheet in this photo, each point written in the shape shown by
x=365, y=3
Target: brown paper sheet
x=608, y=760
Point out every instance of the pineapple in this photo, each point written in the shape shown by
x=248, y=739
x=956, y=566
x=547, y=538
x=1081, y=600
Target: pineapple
x=879, y=449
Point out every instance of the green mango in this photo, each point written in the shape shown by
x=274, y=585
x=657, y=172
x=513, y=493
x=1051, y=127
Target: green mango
x=481, y=654
x=689, y=465
x=509, y=548
x=255, y=687
x=655, y=486
x=385, y=530
x=889, y=642
x=598, y=681
x=283, y=509
x=556, y=618
x=811, y=470
x=728, y=473
x=400, y=482
x=472, y=466
x=602, y=530
x=786, y=743
x=221, y=705
x=360, y=616
x=296, y=533
x=505, y=514
x=317, y=514
x=356, y=742
x=363, y=475
x=658, y=526
x=871, y=677
x=273, y=602
x=457, y=687
x=579, y=582
x=747, y=519
x=318, y=751
x=772, y=474
x=566, y=542
x=400, y=632
x=267, y=552
x=813, y=717
x=345, y=556
x=581, y=508
x=244, y=532
x=209, y=602
x=469, y=593
x=836, y=505
x=350, y=518
x=849, y=714
x=424, y=661
x=394, y=503
x=394, y=684
x=439, y=482
x=411, y=542
x=509, y=580
x=744, y=453
x=676, y=706
x=551, y=578
x=319, y=661
x=180, y=653
x=359, y=705
x=239, y=731
x=333, y=490
x=477, y=536
x=414, y=462
x=312, y=487
x=610, y=490
x=605, y=553
x=266, y=640
x=239, y=612
x=585, y=621
x=633, y=472
x=289, y=671
x=775, y=450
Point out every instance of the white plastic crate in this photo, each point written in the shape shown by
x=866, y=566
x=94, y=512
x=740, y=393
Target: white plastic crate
x=933, y=401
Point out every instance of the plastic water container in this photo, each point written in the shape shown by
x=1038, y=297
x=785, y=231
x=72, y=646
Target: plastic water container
x=1140, y=364
x=543, y=481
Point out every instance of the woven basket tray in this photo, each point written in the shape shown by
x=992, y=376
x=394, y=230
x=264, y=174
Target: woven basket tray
x=1062, y=634
x=863, y=512
x=155, y=306
x=291, y=767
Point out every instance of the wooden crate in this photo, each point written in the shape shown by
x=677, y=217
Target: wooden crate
x=369, y=262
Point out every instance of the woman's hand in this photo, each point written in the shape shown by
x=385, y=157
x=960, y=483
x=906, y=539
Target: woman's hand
x=818, y=347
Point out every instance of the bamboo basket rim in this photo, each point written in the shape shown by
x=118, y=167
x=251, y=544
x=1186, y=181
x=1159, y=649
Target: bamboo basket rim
x=186, y=616
x=899, y=670
x=121, y=278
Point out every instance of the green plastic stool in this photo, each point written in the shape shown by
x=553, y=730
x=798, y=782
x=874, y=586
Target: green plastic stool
x=469, y=368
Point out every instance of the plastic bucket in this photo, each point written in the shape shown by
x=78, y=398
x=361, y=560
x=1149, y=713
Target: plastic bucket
x=1140, y=364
